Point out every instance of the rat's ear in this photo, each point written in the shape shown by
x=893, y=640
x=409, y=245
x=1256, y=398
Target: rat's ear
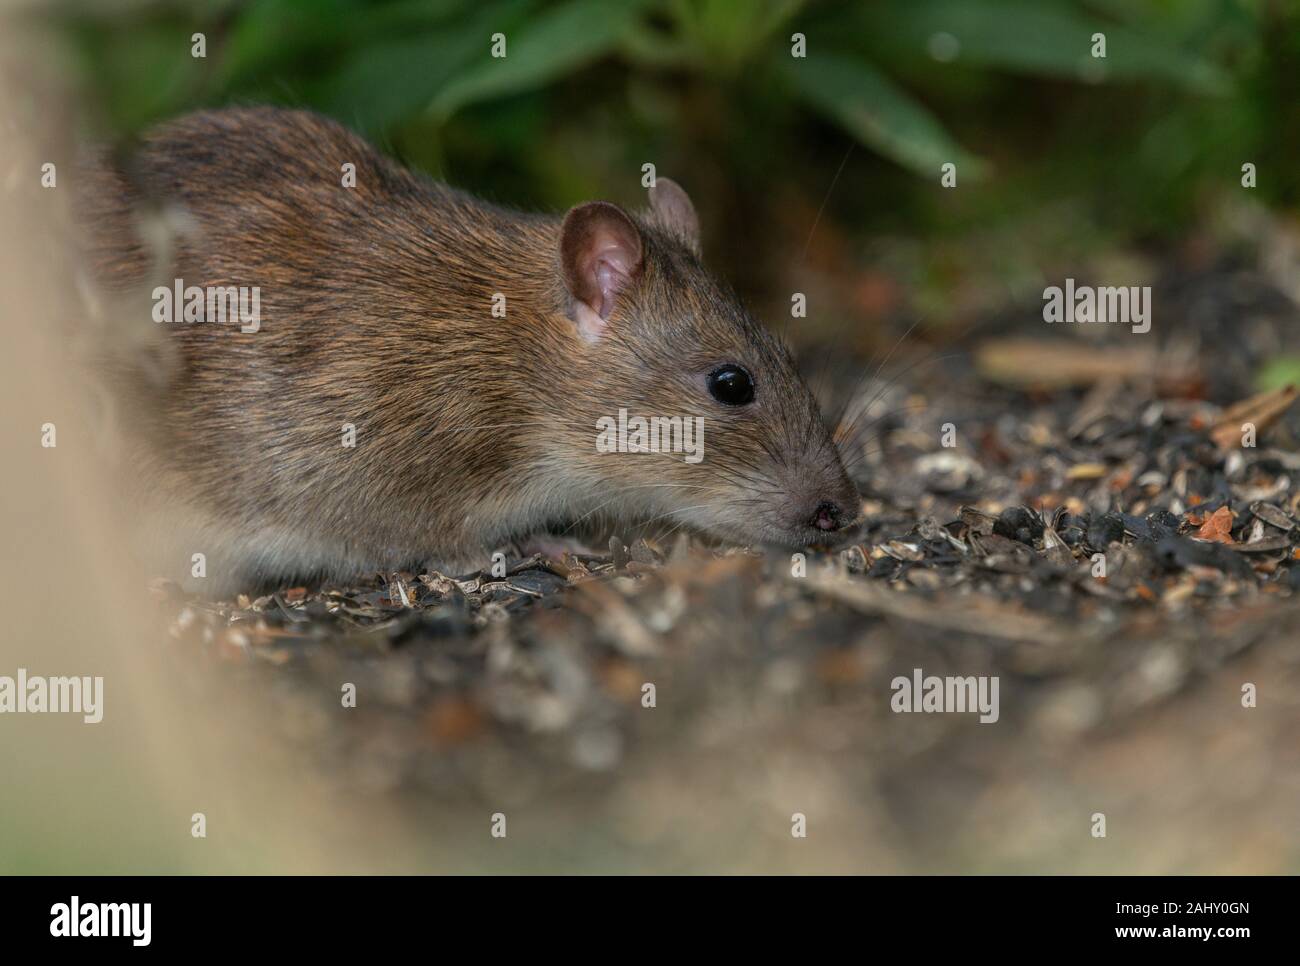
x=600, y=253
x=672, y=209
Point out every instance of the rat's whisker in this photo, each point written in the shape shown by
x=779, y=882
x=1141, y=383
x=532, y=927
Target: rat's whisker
x=857, y=388
x=624, y=489
x=843, y=429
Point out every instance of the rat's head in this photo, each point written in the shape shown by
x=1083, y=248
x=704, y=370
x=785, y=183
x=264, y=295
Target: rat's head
x=675, y=364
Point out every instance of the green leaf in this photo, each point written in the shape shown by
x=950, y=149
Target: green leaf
x=723, y=34
x=556, y=42
x=878, y=113
x=143, y=73
x=273, y=31
x=389, y=81
x=1282, y=371
x=1044, y=37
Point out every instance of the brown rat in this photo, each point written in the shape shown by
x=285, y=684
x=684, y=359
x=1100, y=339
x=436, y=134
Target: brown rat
x=470, y=430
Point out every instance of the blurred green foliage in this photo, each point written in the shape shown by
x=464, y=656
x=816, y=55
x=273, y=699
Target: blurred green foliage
x=1279, y=372
x=1008, y=90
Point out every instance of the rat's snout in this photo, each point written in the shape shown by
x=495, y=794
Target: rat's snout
x=828, y=509
x=821, y=501
x=828, y=516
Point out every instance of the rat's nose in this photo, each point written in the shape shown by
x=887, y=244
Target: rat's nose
x=828, y=516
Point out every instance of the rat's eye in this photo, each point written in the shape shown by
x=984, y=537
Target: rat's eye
x=731, y=385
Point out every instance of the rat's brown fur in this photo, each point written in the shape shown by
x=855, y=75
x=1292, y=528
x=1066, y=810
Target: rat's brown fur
x=471, y=430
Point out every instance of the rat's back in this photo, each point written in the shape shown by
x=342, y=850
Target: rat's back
x=361, y=300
